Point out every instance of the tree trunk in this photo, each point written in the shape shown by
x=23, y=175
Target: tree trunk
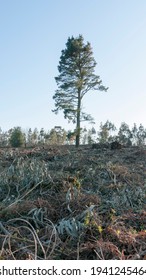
x=77, y=140
x=78, y=121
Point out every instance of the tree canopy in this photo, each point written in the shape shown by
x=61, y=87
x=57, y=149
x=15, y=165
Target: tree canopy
x=76, y=77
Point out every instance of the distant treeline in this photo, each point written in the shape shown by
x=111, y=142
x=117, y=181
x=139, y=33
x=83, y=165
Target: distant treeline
x=107, y=132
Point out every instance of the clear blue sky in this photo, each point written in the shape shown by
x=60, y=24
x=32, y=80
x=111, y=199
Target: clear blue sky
x=32, y=35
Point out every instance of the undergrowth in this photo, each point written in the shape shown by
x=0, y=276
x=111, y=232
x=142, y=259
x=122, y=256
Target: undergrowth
x=63, y=203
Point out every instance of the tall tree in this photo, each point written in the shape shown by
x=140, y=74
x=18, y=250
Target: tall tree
x=141, y=135
x=76, y=77
x=125, y=134
x=29, y=136
x=34, y=136
x=104, y=135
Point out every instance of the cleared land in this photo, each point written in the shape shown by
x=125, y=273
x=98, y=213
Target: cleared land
x=68, y=203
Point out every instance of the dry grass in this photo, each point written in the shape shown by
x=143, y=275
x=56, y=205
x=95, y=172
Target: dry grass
x=68, y=203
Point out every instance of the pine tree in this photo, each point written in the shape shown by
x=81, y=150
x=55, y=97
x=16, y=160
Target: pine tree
x=17, y=137
x=76, y=77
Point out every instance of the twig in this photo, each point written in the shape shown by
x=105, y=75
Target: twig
x=24, y=195
x=4, y=230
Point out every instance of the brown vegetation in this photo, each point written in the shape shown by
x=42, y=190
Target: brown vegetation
x=68, y=203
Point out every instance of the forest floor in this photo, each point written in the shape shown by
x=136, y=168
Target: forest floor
x=63, y=202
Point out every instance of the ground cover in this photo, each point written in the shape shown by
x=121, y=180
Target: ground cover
x=73, y=203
